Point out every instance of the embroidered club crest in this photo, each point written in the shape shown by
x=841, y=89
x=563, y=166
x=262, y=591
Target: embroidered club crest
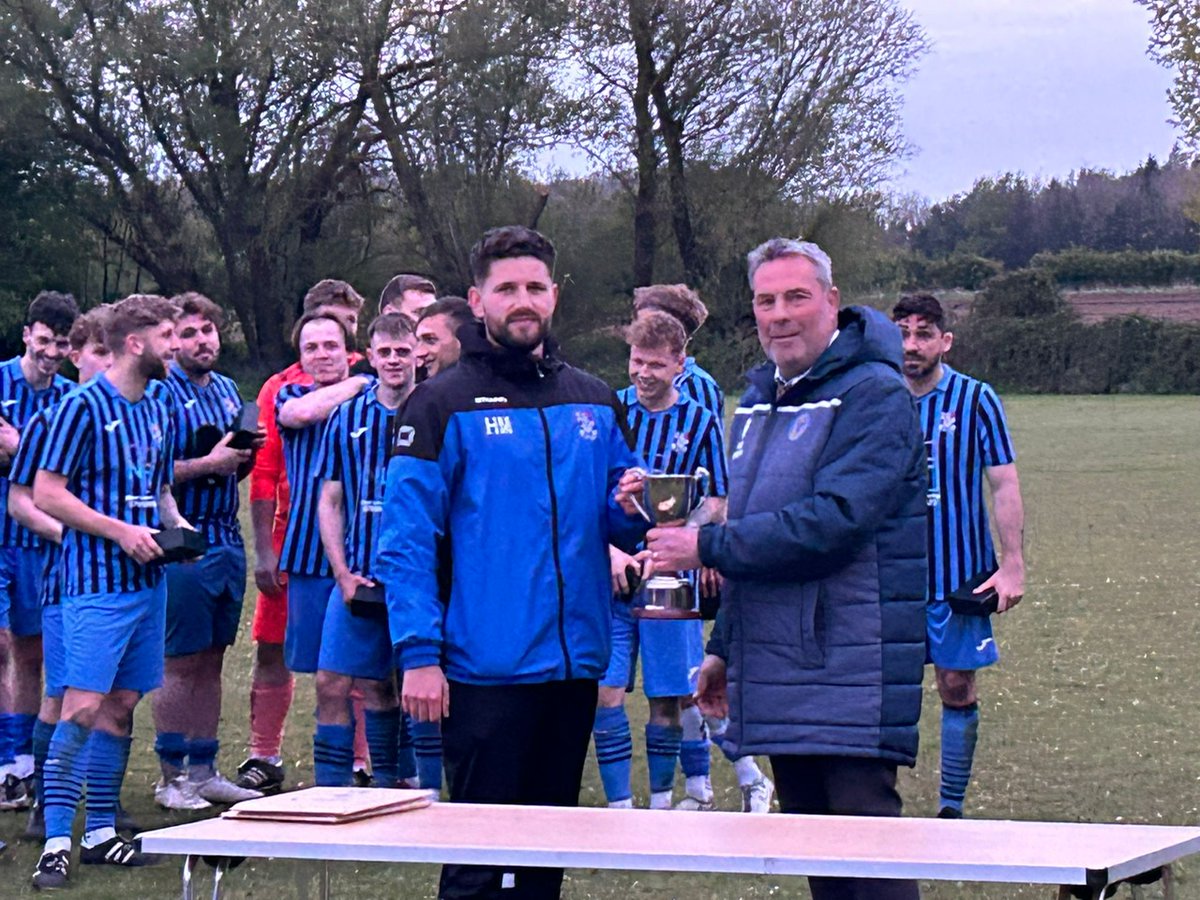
x=947, y=423
x=680, y=444
x=799, y=426
x=587, y=425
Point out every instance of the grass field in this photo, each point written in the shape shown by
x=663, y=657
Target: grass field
x=1090, y=715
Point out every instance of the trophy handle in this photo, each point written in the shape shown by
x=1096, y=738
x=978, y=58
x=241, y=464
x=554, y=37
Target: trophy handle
x=638, y=506
x=703, y=475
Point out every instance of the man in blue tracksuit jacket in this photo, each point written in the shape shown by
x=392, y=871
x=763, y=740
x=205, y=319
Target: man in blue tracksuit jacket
x=510, y=469
x=818, y=650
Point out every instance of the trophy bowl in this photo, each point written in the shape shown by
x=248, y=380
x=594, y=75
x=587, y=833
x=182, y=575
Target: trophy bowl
x=669, y=499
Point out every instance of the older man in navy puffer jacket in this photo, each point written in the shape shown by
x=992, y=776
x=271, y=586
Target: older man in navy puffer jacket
x=818, y=651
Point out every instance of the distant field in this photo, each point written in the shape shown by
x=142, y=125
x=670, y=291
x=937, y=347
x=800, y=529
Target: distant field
x=1177, y=304
x=1090, y=716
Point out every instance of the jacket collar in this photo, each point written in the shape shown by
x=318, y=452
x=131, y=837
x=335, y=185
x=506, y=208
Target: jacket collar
x=507, y=363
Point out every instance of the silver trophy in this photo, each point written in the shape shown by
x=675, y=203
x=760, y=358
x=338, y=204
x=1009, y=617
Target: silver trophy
x=667, y=501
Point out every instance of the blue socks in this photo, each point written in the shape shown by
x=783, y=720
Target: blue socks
x=42, y=733
x=7, y=734
x=383, y=740
x=66, y=767
x=202, y=758
x=614, y=752
x=172, y=750
x=406, y=758
x=960, y=728
x=427, y=736
x=107, y=758
x=333, y=755
x=22, y=734
x=662, y=752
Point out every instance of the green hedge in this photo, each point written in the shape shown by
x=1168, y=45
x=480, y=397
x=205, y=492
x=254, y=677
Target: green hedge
x=1058, y=354
x=1080, y=267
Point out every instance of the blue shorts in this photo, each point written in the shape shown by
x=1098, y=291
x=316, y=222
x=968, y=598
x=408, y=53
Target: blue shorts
x=956, y=641
x=21, y=589
x=54, y=656
x=307, y=597
x=115, y=641
x=354, y=645
x=204, y=600
x=671, y=652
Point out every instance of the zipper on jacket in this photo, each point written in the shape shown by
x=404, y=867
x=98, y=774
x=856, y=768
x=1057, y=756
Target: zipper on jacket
x=558, y=576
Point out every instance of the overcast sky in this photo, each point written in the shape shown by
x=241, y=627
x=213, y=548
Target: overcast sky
x=1040, y=86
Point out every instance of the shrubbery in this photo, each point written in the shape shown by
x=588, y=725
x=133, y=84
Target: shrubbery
x=1081, y=267
x=1022, y=336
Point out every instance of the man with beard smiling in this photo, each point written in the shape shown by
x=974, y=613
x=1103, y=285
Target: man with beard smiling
x=28, y=384
x=106, y=475
x=967, y=440
x=204, y=597
x=519, y=463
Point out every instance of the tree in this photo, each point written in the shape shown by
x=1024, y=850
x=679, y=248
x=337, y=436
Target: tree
x=798, y=95
x=462, y=95
x=223, y=132
x=1175, y=43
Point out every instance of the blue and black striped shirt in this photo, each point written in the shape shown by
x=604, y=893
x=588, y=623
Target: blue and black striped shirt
x=302, y=552
x=695, y=383
x=24, y=470
x=355, y=452
x=965, y=434
x=678, y=440
x=209, y=503
x=116, y=457
x=18, y=404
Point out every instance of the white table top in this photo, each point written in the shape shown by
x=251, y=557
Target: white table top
x=935, y=849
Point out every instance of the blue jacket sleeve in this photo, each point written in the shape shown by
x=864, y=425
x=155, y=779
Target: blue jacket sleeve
x=420, y=475
x=873, y=447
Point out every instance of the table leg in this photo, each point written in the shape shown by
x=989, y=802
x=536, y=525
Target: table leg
x=189, y=872
x=325, y=879
x=1168, y=883
x=218, y=873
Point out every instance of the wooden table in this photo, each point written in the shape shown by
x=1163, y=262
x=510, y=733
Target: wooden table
x=1086, y=856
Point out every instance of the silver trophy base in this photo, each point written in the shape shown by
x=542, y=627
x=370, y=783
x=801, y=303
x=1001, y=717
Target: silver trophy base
x=667, y=598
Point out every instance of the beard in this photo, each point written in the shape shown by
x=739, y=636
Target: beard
x=151, y=366
x=504, y=335
x=193, y=366
x=919, y=367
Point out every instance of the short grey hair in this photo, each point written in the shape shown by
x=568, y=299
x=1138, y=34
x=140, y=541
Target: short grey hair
x=781, y=248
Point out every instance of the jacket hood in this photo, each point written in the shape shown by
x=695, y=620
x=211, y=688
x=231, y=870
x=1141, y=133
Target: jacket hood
x=867, y=335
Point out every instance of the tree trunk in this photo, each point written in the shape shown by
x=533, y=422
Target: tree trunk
x=644, y=220
x=681, y=212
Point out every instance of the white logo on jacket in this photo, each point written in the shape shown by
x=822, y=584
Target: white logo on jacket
x=493, y=425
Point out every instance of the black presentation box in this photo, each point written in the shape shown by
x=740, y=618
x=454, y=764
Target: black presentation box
x=964, y=601
x=179, y=544
x=369, y=602
x=245, y=427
